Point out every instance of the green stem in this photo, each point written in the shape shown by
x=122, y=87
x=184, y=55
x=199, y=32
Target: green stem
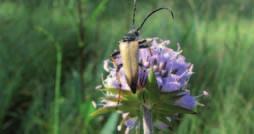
x=82, y=47
x=57, y=88
x=56, y=104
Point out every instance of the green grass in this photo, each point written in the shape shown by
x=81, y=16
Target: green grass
x=221, y=49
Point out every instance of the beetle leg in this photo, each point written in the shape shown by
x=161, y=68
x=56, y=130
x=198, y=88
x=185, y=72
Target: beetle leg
x=119, y=90
x=142, y=80
x=118, y=67
x=115, y=53
x=142, y=41
x=144, y=46
x=146, y=43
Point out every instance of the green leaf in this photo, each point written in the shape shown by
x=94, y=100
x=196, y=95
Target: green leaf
x=113, y=98
x=173, y=93
x=98, y=11
x=116, y=91
x=151, y=82
x=171, y=96
x=86, y=110
x=102, y=111
x=110, y=126
x=152, y=92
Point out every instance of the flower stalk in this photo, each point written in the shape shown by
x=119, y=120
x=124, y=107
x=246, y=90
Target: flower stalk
x=147, y=120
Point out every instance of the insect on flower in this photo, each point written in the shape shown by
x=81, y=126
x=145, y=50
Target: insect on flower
x=128, y=50
x=147, y=81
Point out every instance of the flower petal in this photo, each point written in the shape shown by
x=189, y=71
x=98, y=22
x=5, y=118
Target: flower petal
x=130, y=123
x=187, y=101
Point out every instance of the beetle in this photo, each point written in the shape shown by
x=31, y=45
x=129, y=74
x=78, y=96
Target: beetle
x=129, y=47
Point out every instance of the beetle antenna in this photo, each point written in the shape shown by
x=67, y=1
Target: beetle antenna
x=150, y=14
x=134, y=12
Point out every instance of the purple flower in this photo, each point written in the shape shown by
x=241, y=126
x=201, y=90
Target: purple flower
x=171, y=70
x=171, y=73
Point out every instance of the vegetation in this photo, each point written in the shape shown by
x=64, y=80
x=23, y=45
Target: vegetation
x=48, y=73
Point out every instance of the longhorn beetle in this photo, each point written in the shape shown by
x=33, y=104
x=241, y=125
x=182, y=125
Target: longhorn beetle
x=128, y=49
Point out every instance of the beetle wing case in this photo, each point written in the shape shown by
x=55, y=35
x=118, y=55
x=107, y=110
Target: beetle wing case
x=129, y=55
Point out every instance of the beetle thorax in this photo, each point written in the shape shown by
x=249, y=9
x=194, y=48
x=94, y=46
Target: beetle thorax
x=131, y=35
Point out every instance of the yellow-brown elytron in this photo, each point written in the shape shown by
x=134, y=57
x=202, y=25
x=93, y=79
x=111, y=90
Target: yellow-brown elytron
x=129, y=55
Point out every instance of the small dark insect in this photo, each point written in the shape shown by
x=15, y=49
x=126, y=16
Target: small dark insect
x=128, y=49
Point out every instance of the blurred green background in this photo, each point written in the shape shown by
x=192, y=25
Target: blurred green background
x=51, y=55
